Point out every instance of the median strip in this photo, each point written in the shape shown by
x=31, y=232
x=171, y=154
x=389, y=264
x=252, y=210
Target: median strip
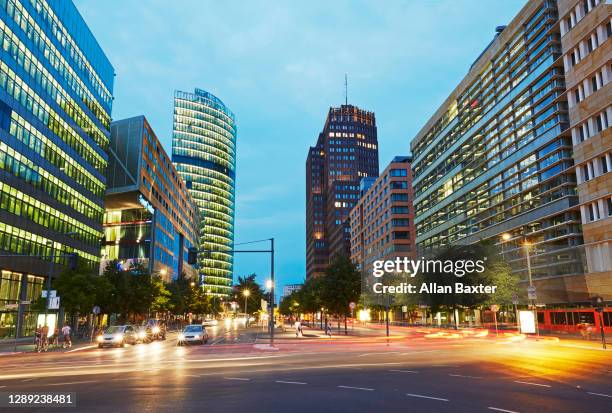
x=426, y=397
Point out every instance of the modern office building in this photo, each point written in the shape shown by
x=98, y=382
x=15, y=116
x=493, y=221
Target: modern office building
x=497, y=158
x=204, y=154
x=346, y=151
x=382, y=222
x=586, y=29
x=144, y=192
x=56, y=88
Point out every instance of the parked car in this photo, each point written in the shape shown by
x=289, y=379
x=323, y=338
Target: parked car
x=118, y=336
x=193, y=333
x=157, y=329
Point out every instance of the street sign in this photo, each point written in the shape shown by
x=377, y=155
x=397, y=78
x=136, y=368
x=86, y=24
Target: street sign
x=495, y=308
x=53, y=293
x=531, y=293
x=54, y=303
x=26, y=302
x=352, y=305
x=515, y=299
x=96, y=310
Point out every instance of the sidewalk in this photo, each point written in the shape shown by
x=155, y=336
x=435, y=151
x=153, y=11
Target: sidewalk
x=26, y=345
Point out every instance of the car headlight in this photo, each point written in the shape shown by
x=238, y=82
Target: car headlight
x=197, y=337
x=181, y=336
x=142, y=334
x=100, y=339
x=118, y=337
x=156, y=330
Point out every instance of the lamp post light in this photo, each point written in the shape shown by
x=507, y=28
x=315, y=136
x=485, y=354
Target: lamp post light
x=246, y=294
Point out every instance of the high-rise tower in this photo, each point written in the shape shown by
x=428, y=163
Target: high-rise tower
x=204, y=154
x=346, y=151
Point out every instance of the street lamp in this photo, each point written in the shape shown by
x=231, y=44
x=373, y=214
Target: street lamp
x=192, y=284
x=246, y=294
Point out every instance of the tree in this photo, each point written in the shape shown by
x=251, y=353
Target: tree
x=77, y=288
x=255, y=293
x=290, y=305
x=341, y=285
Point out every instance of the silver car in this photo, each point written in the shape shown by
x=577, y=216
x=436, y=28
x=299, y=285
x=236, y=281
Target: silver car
x=118, y=336
x=193, y=333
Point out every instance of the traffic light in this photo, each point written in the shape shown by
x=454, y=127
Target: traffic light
x=192, y=256
x=73, y=259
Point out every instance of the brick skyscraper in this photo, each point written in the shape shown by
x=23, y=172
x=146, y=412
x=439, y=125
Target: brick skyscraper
x=346, y=151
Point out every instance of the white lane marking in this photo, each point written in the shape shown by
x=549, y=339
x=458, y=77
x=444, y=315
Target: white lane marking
x=532, y=384
x=426, y=397
x=80, y=348
x=497, y=409
x=1, y=387
x=404, y=371
x=236, y=378
x=30, y=379
x=290, y=382
x=71, y=382
x=356, y=388
x=466, y=377
x=599, y=394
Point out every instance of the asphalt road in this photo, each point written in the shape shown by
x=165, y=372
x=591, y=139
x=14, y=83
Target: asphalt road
x=409, y=373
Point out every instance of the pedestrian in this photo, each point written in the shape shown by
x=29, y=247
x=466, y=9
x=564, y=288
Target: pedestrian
x=298, y=328
x=328, y=330
x=66, y=333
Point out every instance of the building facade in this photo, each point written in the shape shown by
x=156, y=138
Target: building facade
x=495, y=162
x=144, y=192
x=346, y=151
x=290, y=289
x=56, y=88
x=382, y=222
x=586, y=31
x=204, y=154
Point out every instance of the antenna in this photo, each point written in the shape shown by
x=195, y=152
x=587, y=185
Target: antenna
x=346, y=88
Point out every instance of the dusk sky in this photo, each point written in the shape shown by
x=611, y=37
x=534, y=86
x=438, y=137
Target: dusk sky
x=279, y=66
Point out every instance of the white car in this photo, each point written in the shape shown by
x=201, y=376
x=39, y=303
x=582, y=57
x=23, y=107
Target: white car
x=118, y=336
x=193, y=333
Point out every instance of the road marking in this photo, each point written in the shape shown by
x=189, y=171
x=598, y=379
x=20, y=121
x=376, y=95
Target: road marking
x=30, y=379
x=466, y=377
x=80, y=348
x=236, y=378
x=290, y=382
x=355, y=388
x=532, y=384
x=120, y=379
x=404, y=371
x=191, y=375
x=599, y=394
x=72, y=382
x=426, y=397
x=497, y=409
x=1, y=387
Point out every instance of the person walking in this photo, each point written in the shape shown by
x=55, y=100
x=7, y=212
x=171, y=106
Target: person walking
x=66, y=333
x=298, y=328
x=328, y=329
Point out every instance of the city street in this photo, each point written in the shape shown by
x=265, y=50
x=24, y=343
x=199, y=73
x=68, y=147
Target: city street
x=412, y=371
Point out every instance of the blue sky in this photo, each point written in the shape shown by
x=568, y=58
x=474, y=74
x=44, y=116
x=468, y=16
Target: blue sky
x=280, y=65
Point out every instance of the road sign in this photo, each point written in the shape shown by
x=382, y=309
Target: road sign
x=404, y=309
x=515, y=299
x=54, y=303
x=26, y=302
x=495, y=308
x=531, y=293
x=53, y=293
x=96, y=309
x=352, y=305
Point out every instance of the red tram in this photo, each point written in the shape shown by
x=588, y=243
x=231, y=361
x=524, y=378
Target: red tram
x=573, y=320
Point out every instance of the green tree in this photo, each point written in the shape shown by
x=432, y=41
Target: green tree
x=255, y=293
x=341, y=285
x=77, y=289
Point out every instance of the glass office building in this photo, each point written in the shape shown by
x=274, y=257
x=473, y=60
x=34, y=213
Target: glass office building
x=204, y=154
x=145, y=192
x=56, y=88
x=497, y=159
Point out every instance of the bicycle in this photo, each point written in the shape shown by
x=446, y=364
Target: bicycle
x=41, y=344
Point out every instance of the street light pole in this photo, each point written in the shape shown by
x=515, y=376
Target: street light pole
x=272, y=292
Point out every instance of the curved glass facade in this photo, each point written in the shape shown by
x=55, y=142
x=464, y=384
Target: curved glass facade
x=204, y=153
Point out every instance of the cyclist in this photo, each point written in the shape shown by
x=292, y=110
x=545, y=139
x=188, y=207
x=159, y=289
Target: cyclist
x=66, y=334
x=45, y=337
x=38, y=338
